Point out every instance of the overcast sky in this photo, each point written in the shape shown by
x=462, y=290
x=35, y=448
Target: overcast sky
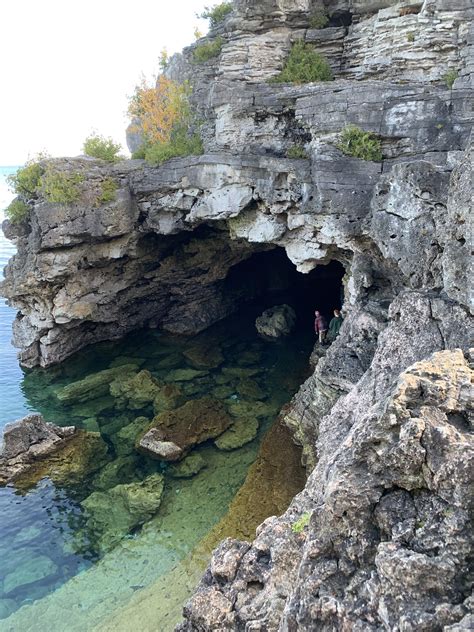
x=67, y=68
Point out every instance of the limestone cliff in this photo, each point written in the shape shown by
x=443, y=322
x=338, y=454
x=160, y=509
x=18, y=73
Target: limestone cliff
x=384, y=419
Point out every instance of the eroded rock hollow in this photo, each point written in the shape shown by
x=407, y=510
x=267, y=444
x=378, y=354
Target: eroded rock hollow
x=385, y=420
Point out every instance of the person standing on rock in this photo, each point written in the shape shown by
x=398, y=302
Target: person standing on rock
x=320, y=326
x=335, y=325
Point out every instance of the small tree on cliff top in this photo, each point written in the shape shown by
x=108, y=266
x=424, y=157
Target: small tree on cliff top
x=165, y=120
x=160, y=109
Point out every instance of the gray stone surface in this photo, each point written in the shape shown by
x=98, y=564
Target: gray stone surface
x=28, y=440
x=276, y=322
x=384, y=418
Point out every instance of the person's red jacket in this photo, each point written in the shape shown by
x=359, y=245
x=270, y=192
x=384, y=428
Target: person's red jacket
x=320, y=324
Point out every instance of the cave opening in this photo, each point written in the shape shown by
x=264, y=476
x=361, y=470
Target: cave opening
x=269, y=278
x=340, y=18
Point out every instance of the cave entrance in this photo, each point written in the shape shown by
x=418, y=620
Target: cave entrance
x=269, y=278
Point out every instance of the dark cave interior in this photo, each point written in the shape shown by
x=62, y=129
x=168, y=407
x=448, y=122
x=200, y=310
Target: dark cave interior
x=269, y=278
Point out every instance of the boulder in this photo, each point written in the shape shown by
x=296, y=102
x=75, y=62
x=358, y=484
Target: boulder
x=135, y=391
x=188, y=467
x=80, y=456
x=121, y=469
x=184, y=375
x=168, y=397
x=153, y=445
x=111, y=515
x=27, y=440
x=94, y=385
x=250, y=389
x=204, y=355
x=252, y=409
x=243, y=431
x=124, y=439
x=276, y=321
x=195, y=422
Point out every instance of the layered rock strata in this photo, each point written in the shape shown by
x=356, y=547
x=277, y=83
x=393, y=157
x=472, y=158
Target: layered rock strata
x=379, y=538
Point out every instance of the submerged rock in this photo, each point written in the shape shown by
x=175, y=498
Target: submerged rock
x=28, y=440
x=168, y=397
x=276, y=321
x=248, y=409
x=184, y=375
x=94, y=385
x=242, y=431
x=249, y=388
x=174, y=432
x=7, y=606
x=231, y=372
x=135, y=391
x=124, y=440
x=114, y=513
x=204, y=355
x=122, y=468
x=33, y=569
x=188, y=467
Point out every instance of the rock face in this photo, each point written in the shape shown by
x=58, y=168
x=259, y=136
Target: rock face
x=389, y=500
x=383, y=418
x=27, y=440
x=276, y=321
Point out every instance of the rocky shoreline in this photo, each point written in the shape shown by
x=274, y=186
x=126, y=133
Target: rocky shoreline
x=380, y=536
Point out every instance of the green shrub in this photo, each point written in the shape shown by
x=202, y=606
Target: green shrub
x=450, y=77
x=180, y=144
x=108, y=191
x=217, y=13
x=27, y=179
x=139, y=154
x=365, y=145
x=301, y=523
x=296, y=151
x=100, y=147
x=60, y=187
x=208, y=50
x=17, y=212
x=318, y=20
x=411, y=37
x=304, y=65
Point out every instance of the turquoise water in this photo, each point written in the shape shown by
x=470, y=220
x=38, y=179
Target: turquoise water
x=53, y=558
x=13, y=402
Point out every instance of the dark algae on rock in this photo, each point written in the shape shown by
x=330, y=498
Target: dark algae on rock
x=373, y=216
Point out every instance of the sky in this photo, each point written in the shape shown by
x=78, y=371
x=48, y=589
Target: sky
x=68, y=68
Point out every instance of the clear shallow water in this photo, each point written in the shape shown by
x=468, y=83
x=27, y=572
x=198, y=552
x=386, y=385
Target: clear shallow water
x=52, y=565
x=13, y=403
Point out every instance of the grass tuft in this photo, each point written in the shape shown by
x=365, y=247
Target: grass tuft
x=365, y=145
x=208, y=50
x=304, y=65
x=17, y=212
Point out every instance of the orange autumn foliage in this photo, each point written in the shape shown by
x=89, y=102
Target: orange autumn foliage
x=160, y=109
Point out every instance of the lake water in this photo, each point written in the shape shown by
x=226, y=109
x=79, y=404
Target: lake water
x=66, y=566
x=13, y=402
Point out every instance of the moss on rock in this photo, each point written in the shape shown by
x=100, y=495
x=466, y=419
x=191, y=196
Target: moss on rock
x=113, y=514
